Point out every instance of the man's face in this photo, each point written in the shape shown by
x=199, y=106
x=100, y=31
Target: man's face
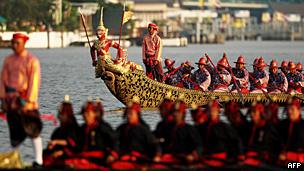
x=293, y=113
x=239, y=66
x=273, y=70
x=214, y=113
x=170, y=67
x=132, y=117
x=293, y=71
x=255, y=116
x=151, y=30
x=201, y=67
x=18, y=46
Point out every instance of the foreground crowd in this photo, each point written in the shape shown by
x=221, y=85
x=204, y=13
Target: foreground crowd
x=209, y=77
x=252, y=139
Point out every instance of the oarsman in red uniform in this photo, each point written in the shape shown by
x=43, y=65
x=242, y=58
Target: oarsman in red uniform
x=241, y=76
x=151, y=53
x=221, y=79
x=218, y=138
x=284, y=67
x=300, y=70
x=101, y=47
x=19, y=89
x=202, y=76
x=277, y=80
x=295, y=79
x=173, y=76
x=264, y=142
x=261, y=77
x=169, y=65
x=291, y=130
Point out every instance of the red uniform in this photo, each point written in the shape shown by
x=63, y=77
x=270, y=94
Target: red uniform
x=151, y=55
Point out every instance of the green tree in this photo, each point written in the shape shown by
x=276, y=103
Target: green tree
x=33, y=11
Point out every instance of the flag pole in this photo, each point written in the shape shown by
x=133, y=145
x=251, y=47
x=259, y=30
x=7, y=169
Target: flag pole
x=122, y=18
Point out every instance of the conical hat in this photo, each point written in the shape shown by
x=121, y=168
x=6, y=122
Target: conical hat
x=101, y=25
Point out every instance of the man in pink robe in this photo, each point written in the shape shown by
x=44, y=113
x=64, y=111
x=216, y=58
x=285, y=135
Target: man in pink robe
x=19, y=88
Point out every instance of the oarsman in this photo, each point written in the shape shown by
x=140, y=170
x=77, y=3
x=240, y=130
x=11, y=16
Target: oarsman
x=295, y=79
x=217, y=137
x=264, y=142
x=241, y=76
x=151, y=53
x=101, y=47
x=277, y=80
x=202, y=76
x=251, y=80
x=284, y=67
x=64, y=139
x=260, y=77
x=291, y=131
x=221, y=78
x=185, y=142
x=136, y=141
x=173, y=75
x=299, y=67
x=169, y=65
x=19, y=89
x=186, y=79
x=97, y=140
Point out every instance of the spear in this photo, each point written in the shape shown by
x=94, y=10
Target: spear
x=85, y=28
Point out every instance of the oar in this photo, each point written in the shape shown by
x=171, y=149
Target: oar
x=44, y=117
x=235, y=83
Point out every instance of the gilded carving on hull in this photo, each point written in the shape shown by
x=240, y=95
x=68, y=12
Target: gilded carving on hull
x=127, y=84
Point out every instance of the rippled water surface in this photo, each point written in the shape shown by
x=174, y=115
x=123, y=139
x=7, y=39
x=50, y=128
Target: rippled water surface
x=69, y=71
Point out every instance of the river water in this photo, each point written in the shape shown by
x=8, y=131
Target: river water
x=69, y=71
